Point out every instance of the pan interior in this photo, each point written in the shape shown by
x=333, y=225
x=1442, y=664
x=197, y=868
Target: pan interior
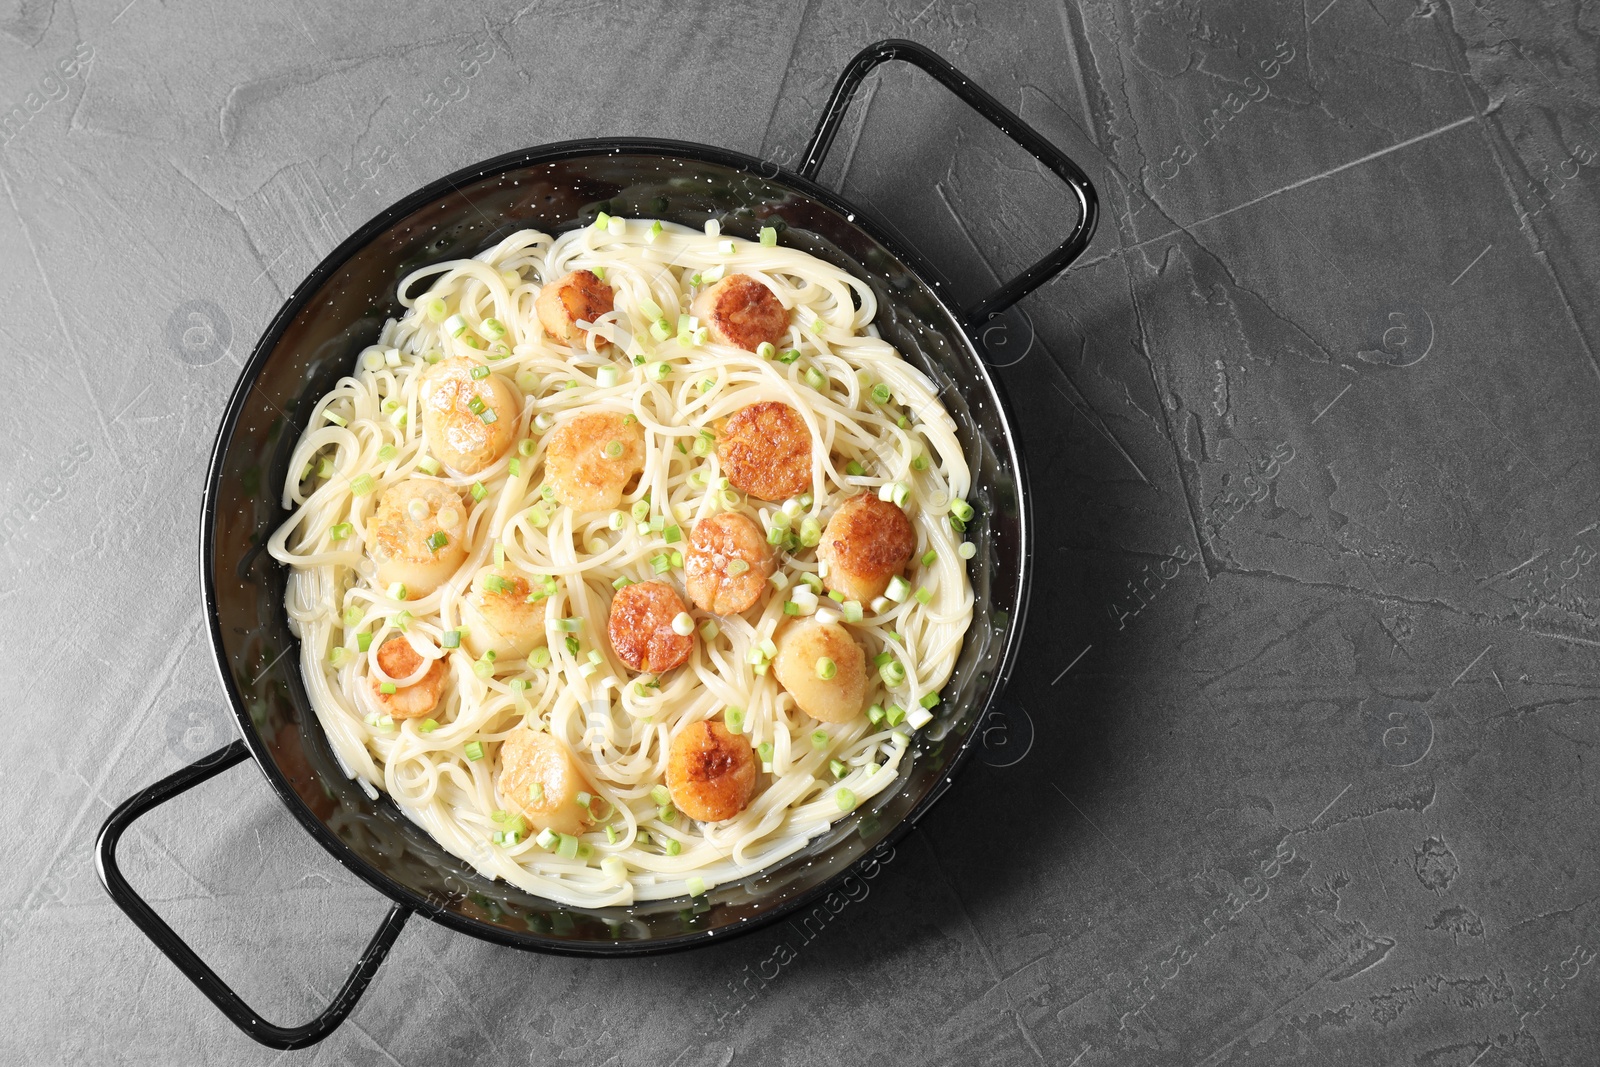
x=342, y=308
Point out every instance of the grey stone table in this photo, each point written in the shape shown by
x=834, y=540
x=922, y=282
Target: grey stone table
x=1300, y=764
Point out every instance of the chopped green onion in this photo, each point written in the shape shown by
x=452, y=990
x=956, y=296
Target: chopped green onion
x=606, y=377
x=766, y=350
x=661, y=563
x=660, y=795
x=667, y=814
x=337, y=656
x=966, y=550
x=854, y=469
x=815, y=378
x=789, y=356
x=493, y=329
x=683, y=624
x=570, y=626
x=483, y=668
x=673, y=846
x=621, y=580
x=455, y=325
x=386, y=453
x=845, y=799
x=548, y=838
x=402, y=621
x=611, y=830
x=658, y=371
x=428, y=465
x=734, y=718
x=961, y=510
x=838, y=767
x=895, y=715
x=696, y=885
x=572, y=645
x=929, y=699
x=826, y=668
x=450, y=639
x=898, y=589
x=340, y=531
x=437, y=540
x=428, y=726
x=335, y=419
x=791, y=608
x=737, y=566
x=361, y=485
x=515, y=467
x=893, y=674
x=493, y=583
x=655, y=231
x=764, y=750
x=875, y=714
x=478, y=491
x=397, y=591
x=433, y=307
x=540, y=659
x=769, y=237
x=364, y=641
x=474, y=750
x=819, y=740
x=710, y=630
x=810, y=533
x=489, y=417
x=919, y=462
x=924, y=595
x=613, y=449
x=880, y=393
x=568, y=848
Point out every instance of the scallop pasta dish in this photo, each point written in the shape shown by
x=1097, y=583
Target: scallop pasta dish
x=628, y=561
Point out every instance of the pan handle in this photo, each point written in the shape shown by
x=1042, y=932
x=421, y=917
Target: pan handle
x=193, y=967
x=1005, y=120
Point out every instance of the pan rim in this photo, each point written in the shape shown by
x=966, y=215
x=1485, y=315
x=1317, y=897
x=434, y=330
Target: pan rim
x=364, y=236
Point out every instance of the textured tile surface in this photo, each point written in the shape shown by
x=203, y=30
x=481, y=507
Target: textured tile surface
x=1299, y=766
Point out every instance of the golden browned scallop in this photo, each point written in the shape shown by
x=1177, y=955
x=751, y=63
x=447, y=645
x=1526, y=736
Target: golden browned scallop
x=498, y=616
x=727, y=563
x=741, y=312
x=468, y=422
x=417, y=535
x=824, y=669
x=540, y=780
x=590, y=458
x=577, y=297
x=765, y=450
x=711, y=771
x=641, y=627
x=400, y=660
x=866, y=543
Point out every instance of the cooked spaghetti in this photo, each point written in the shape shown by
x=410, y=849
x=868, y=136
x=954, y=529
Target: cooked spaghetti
x=628, y=561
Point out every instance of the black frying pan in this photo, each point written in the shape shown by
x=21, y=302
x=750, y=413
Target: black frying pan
x=342, y=306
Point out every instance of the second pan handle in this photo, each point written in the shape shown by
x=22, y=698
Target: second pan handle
x=193, y=967
x=1005, y=120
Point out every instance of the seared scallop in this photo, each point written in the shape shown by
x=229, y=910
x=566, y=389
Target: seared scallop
x=727, y=563
x=468, y=422
x=741, y=312
x=711, y=771
x=824, y=669
x=577, y=297
x=641, y=627
x=417, y=536
x=590, y=458
x=399, y=660
x=866, y=543
x=498, y=616
x=540, y=780
x=765, y=450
